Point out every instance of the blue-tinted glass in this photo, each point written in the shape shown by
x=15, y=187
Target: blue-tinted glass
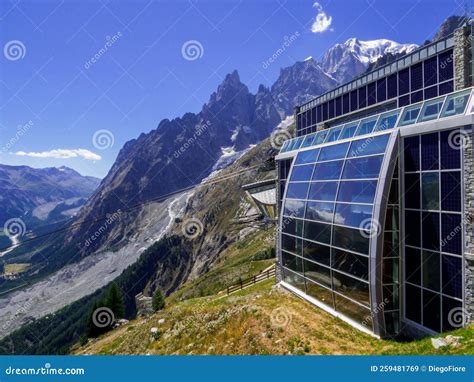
x=325, y=110
x=284, y=146
x=297, y=190
x=381, y=90
x=387, y=121
x=431, y=92
x=304, y=122
x=450, y=152
x=412, y=191
x=451, y=231
x=298, y=143
x=309, y=156
x=455, y=104
x=345, y=103
x=314, y=117
x=371, y=94
x=320, y=232
x=320, y=211
x=362, y=97
x=301, y=173
x=451, y=276
x=354, y=104
x=294, y=208
x=445, y=65
x=416, y=76
x=369, y=146
x=351, y=239
x=412, y=153
x=308, y=141
x=352, y=215
x=322, y=191
x=334, y=134
x=430, y=230
x=331, y=109
x=404, y=100
x=366, y=126
x=392, y=86
x=328, y=170
x=409, y=116
x=431, y=71
x=403, y=81
x=320, y=137
x=358, y=192
x=362, y=168
x=349, y=130
x=416, y=96
x=429, y=152
x=451, y=191
x=299, y=122
x=412, y=230
x=445, y=88
x=319, y=112
x=338, y=106
x=333, y=152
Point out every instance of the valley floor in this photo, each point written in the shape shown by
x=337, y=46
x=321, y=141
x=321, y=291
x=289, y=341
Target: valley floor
x=262, y=319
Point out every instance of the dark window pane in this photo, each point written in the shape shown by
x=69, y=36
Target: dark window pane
x=353, y=215
x=451, y=275
x=320, y=293
x=369, y=146
x=294, y=208
x=322, y=191
x=412, y=228
x=292, y=262
x=429, y=152
x=412, y=191
x=430, y=191
x=300, y=173
x=451, y=191
x=413, y=303
x=338, y=102
x=381, y=90
x=320, y=211
x=314, y=117
x=354, y=311
x=331, y=108
x=328, y=170
x=350, y=287
x=430, y=230
x=292, y=226
x=431, y=270
x=297, y=190
x=299, y=122
x=432, y=310
x=357, y=192
x=412, y=153
x=450, y=154
x=354, y=104
x=351, y=239
x=391, y=242
x=319, y=110
x=307, y=156
x=317, y=273
x=445, y=88
x=350, y=263
x=362, y=167
x=333, y=152
x=392, y=86
x=413, y=265
x=431, y=71
x=450, y=308
x=445, y=65
x=325, y=111
x=294, y=279
x=291, y=244
x=403, y=101
x=416, y=97
x=403, y=81
x=431, y=92
x=371, y=94
x=416, y=76
x=390, y=294
x=345, y=103
x=318, y=232
x=390, y=271
x=316, y=252
x=362, y=97
x=451, y=239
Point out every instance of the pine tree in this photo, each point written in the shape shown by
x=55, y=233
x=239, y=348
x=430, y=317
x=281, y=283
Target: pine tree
x=158, y=301
x=114, y=301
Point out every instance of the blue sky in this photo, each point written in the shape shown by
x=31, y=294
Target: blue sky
x=59, y=107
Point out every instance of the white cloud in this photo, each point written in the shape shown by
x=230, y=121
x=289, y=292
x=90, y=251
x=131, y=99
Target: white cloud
x=60, y=154
x=322, y=22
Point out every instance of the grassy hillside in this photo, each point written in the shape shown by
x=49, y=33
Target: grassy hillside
x=254, y=321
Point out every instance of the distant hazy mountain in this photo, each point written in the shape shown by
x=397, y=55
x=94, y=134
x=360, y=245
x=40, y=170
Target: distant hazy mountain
x=35, y=195
x=352, y=58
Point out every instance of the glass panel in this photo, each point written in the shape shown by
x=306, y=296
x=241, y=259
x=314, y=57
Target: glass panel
x=369, y=146
x=451, y=276
x=412, y=191
x=430, y=191
x=451, y=191
x=390, y=271
x=357, y=192
x=366, y=126
x=294, y=208
x=449, y=306
x=309, y=156
x=308, y=141
x=320, y=137
x=413, y=265
x=431, y=270
x=292, y=262
x=322, y=191
x=285, y=145
x=413, y=304
x=455, y=104
x=351, y=263
x=328, y=170
x=412, y=153
x=431, y=109
x=352, y=215
x=451, y=154
x=430, y=230
x=354, y=311
x=292, y=226
x=413, y=230
x=317, y=273
x=362, y=168
x=301, y=173
x=431, y=310
x=291, y=244
x=320, y=293
x=349, y=130
x=387, y=121
x=316, y=252
x=350, y=287
x=333, y=152
x=297, y=190
x=317, y=231
x=451, y=229
x=429, y=152
x=320, y=211
x=294, y=279
x=334, y=134
x=409, y=116
x=351, y=239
